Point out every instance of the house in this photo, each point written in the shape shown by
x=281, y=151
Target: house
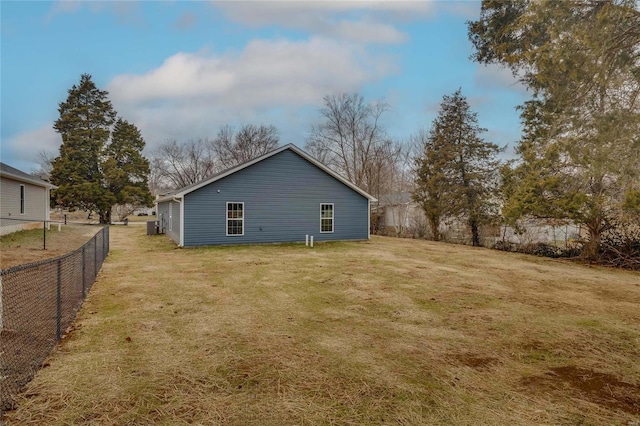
x=24, y=200
x=399, y=214
x=281, y=196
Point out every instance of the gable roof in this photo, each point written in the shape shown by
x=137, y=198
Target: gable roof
x=190, y=188
x=15, y=174
x=395, y=198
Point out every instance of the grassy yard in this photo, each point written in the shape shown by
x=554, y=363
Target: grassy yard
x=390, y=331
x=23, y=247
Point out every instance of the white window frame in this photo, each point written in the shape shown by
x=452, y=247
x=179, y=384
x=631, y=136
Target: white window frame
x=333, y=215
x=23, y=196
x=227, y=218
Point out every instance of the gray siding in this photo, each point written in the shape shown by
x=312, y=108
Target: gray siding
x=36, y=202
x=282, y=196
x=169, y=218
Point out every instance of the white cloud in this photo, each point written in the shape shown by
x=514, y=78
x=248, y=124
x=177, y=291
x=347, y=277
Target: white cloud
x=367, y=31
x=126, y=12
x=192, y=94
x=281, y=12
x=23, y=148
x=65, y=6
x=358, y=21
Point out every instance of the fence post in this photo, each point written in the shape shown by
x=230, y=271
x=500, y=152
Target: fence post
x=0, y=303
x=59, y=301
x=84, y=292
x=95, y=256
x=44, y=235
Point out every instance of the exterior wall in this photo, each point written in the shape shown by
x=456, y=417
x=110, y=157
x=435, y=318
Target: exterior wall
x=169, y=219
x=282, y=196
x=36, y=206
x=539, y=232
x=402, y=217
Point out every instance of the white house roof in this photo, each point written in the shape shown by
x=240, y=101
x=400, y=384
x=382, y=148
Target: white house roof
x=395, y=198
x=187, y=189
x=15, y=174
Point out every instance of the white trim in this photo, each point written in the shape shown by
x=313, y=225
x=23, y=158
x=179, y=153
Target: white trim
x=227, y=219
x=33, y=181
x=47, y=204
x=333, y=220
x=181, y=243
x=368, y=219
x=170, y=216
x=295, y=149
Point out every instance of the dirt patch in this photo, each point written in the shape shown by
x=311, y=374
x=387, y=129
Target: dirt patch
x=599, y=388
x=476, y=362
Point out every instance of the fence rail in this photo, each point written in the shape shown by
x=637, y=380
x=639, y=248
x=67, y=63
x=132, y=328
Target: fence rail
x=38, y=302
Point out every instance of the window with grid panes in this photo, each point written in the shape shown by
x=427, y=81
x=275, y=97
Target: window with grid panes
x=235, y=218
x=326, y=217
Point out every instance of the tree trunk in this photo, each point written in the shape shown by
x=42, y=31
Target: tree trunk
x=434, y=223
x=475, y=236
x=105, y=217
x=592, y=247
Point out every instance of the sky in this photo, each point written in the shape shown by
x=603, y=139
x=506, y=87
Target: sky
x=181, y=69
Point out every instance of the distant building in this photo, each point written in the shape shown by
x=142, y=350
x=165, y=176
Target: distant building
x=399, y=214
x=24, y=200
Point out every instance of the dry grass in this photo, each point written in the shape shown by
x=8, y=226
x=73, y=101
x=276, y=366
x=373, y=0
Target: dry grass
x=28, y=246
x=145, y=219
x=390, y=331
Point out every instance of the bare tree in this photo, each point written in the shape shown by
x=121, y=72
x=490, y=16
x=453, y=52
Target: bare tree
x=178, y=164
x=249, y=142
x=352, y=140
x=385, y=171
x=45, y=164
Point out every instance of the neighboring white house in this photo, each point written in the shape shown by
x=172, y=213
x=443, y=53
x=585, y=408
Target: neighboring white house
x=400, y=215
x=24, y=200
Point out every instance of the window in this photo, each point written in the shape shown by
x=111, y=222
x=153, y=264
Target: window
x=21, y=199
x=235, y=218
x=326, y=217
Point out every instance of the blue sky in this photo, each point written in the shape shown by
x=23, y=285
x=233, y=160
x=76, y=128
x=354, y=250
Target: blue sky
x=180, y=70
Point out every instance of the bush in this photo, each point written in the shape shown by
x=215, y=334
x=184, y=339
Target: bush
x=539, y=249
x=620, y=246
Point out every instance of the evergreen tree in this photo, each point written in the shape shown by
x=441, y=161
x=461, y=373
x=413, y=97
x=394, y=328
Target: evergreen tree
x=432, y=185
x=457, y=173
x=85, y=123
x=580, y=149
x=126, y=170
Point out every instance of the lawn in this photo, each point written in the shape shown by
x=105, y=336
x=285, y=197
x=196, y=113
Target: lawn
x=390, y=331
x=29, y=246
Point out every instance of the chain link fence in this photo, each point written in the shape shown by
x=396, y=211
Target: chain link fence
x=38, y=302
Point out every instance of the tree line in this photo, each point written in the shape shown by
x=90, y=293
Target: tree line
x=176, y=164
x=578, y=155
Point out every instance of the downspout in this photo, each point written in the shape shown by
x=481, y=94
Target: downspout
x=46, y=206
